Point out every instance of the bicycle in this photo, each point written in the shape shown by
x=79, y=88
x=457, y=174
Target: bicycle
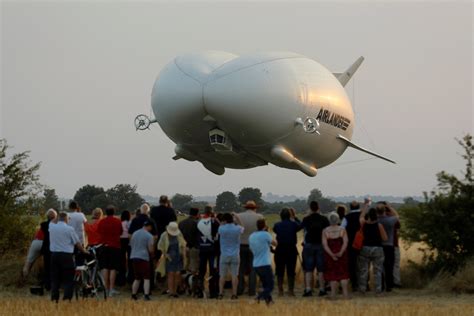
x=88, y=281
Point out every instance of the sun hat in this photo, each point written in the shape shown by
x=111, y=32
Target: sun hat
x=172, y=229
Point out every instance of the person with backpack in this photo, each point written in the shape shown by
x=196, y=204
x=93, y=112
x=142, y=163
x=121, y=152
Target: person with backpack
x=208, y=226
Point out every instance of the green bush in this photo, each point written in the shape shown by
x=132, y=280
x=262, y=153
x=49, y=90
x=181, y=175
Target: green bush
x=445, y=221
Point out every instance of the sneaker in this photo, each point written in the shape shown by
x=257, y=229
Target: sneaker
x=220, y=296
x=113, y=292
x=307, y=293
x=134, y=297
x=234, y=297
x=147, y=297
x=322, y=293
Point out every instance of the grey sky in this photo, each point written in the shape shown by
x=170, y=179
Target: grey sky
x=75, y=75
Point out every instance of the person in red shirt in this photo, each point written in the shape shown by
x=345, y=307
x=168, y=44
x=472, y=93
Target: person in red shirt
x=110, y=229
x=93, y=236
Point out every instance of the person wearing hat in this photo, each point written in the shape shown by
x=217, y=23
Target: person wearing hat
x=249, y=220
x=173, y=249
x=141, y=244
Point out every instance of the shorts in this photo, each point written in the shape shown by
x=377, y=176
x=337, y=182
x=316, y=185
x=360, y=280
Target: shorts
x=110, y=258
x=141, y=269
x=192, y=264
x=313, y=257
x=229, y=265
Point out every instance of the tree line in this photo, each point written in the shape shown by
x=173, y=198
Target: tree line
x=444, y=221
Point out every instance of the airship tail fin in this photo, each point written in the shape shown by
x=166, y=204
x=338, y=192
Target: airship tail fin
x=345, y=76
x=351, y=144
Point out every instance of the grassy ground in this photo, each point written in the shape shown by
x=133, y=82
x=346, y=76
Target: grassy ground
x=406, y=302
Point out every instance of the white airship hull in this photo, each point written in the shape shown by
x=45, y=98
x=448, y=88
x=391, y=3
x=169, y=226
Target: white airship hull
x=242, y=112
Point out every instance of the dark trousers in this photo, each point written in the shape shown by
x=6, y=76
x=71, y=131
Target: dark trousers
x=124, y=255
x=246, y=267
x=285, y=259
x=62, y=272
x=47, y=270
x=266, y=277
x=207, y=257
x=388, y=264
x=352, y=255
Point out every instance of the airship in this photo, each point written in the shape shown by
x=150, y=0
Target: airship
x=241, y=112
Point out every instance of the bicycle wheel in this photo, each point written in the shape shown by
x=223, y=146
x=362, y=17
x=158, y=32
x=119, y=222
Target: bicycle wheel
x=78, y=286
x=99, y=286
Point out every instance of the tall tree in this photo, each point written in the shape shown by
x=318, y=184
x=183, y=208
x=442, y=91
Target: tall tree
x=51, y=200
x=19, y=184
x=124, y=197
x=247, y=194
x=88, y=196
x=445, y=220
x=182, y=202
x=326, y=205
x=226, y=202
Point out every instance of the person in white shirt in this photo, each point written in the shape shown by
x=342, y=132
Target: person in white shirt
x=77, y=219
x=63, y=239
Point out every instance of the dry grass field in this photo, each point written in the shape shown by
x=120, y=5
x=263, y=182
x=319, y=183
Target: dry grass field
x=401, y=303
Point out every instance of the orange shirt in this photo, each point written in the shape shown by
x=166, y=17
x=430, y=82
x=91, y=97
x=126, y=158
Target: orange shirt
x=93, y=236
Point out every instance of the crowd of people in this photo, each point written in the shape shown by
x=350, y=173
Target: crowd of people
x=208, y=253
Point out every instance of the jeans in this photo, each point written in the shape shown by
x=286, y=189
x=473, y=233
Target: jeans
x=313, y=257
x=375, y=256
x=62, y=272
x=265, y=274
x=389, y=253
x=124, y=255
x=47, y=270
x=246, y=267
x=353, y=254
x=207, y=257
x=396, y=268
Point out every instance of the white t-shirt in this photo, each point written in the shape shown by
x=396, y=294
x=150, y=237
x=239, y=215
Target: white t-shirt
x=76, y=221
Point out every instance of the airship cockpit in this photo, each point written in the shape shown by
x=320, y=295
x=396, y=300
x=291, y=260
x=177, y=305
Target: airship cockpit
x=219, y=140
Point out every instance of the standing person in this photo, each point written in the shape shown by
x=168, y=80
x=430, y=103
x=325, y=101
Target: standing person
x=207, y=233
x=77, y=219
x=372, y=251
x=286, y=252
x=229, y=238
x=397, y=283
x=188, y=228
x=249, y=220
x=336, y=267
x=173, y=248
x=63, y=239
x=137, y=223
x=388, y=217
x=124, y=248
x=51, y=216
x=341, y=211
x=163, y=214
x=260, y=243
x=142, y=247
x=352, y=225
x=93, y=236
x=34, y=252
x=110, y=230
x=313, y=252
